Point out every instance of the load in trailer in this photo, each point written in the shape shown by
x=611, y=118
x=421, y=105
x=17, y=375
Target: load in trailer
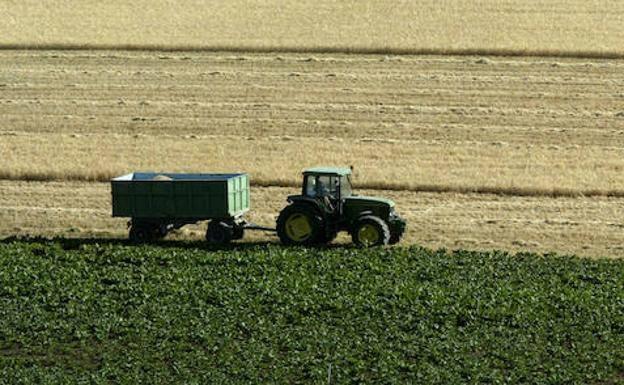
x=160, y=202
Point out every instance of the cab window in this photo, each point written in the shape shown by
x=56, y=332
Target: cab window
x=311, y=186
x=322, y=186
x=345, y=186
x=327, y=186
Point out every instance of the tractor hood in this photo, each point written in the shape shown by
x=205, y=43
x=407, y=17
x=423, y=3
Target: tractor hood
x=356, y=206
x=364, y=200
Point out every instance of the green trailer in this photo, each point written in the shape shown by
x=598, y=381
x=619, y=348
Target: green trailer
x=160, y=202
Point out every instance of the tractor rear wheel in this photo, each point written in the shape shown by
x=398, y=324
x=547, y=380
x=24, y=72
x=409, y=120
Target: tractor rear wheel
x=299, y=225
x=370, y=231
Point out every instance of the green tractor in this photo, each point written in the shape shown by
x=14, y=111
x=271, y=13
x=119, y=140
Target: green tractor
x=327, y=206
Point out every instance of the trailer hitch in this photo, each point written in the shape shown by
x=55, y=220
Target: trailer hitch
x=252, y=226
x=243, y=224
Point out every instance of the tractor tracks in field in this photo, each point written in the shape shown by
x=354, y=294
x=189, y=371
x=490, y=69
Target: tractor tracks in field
x=349, y=50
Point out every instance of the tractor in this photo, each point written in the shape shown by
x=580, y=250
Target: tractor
x=327, y=205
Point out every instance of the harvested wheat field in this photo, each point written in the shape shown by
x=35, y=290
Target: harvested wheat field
x=531, y=126
x=481, y=152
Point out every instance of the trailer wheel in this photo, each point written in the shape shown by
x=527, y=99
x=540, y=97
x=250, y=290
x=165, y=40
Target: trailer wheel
x=238, y=232
x=140, y=234
x=218, y=233
x=161, y=231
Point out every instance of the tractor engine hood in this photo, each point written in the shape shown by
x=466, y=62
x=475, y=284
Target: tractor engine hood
x=356, y=206
x=372, y=201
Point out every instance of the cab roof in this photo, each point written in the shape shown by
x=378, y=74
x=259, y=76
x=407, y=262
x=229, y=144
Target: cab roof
x=341, y=171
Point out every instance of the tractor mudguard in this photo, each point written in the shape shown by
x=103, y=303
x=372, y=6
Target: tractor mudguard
x=316, y=206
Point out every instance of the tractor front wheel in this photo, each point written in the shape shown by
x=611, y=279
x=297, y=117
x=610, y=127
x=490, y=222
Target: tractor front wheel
x=370, y=231
x=299, y=225
x=394, y=238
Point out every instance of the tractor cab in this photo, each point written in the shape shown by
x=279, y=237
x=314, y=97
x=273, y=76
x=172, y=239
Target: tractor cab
x=327, y=185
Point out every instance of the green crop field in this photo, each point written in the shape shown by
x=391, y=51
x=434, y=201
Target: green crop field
x=76, y=311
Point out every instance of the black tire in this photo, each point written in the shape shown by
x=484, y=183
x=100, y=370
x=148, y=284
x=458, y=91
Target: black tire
x=238, y=232
x=394, y=239
x=328, y=238
x=140, y=234
x=218, y=233
x=369, y=223
x=298, y=212
x=161, y=231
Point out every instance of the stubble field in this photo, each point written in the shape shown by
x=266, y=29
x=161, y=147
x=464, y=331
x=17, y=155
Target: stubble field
x=478, y=152
x=557, y=27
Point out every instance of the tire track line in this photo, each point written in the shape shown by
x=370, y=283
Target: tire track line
x=354, y=50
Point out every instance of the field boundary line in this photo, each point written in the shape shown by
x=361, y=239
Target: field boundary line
x=519, y=191
x=505, y=52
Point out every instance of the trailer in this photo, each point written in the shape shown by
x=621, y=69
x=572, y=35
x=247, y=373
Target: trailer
x=158, y=203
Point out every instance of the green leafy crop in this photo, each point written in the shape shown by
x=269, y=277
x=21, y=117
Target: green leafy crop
x=110, y=313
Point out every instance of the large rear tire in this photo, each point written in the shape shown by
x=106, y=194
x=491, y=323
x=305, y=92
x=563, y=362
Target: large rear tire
x=299, y=225
x=370, y=231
